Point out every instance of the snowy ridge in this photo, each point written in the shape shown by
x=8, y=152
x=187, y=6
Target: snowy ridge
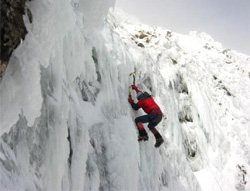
x=66, y=123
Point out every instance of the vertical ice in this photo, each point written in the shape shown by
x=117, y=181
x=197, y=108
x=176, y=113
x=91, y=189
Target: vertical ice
x=66, y=123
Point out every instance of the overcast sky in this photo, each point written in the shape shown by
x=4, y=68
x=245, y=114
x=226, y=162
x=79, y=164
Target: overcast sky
x=227, y=21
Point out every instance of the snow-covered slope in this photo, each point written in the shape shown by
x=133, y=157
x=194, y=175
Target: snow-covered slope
x=66, y=123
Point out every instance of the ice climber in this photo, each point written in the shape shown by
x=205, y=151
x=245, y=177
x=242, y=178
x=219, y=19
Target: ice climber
x=153, y=117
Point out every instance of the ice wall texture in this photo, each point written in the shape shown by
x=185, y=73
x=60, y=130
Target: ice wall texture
x=66, y=123
x=203, y=88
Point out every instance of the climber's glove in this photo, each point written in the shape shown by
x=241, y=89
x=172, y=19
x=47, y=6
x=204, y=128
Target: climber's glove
x=130, y=100
x=134, y=87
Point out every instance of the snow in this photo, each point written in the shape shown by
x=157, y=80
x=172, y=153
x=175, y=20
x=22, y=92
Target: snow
x=66, y=123
x=210, y=183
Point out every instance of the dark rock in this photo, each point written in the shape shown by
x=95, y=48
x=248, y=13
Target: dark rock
x=12, y=26
x=141, y=45
x=3, y=66
x=142, y=35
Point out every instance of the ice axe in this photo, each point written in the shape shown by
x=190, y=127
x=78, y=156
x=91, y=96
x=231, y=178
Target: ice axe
x=129, y=90
x=133, y=73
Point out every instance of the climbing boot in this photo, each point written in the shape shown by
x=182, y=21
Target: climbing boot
x=143, y=136
x=158, y=142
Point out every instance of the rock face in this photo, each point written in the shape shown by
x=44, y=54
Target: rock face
x=12, y=28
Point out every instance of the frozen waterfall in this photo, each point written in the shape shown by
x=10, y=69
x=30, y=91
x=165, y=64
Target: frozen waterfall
x=66, y=123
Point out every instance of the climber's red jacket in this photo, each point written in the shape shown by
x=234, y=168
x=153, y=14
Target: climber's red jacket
x=146, y=102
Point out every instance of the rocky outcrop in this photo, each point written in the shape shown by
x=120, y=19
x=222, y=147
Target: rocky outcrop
x=12, y=28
